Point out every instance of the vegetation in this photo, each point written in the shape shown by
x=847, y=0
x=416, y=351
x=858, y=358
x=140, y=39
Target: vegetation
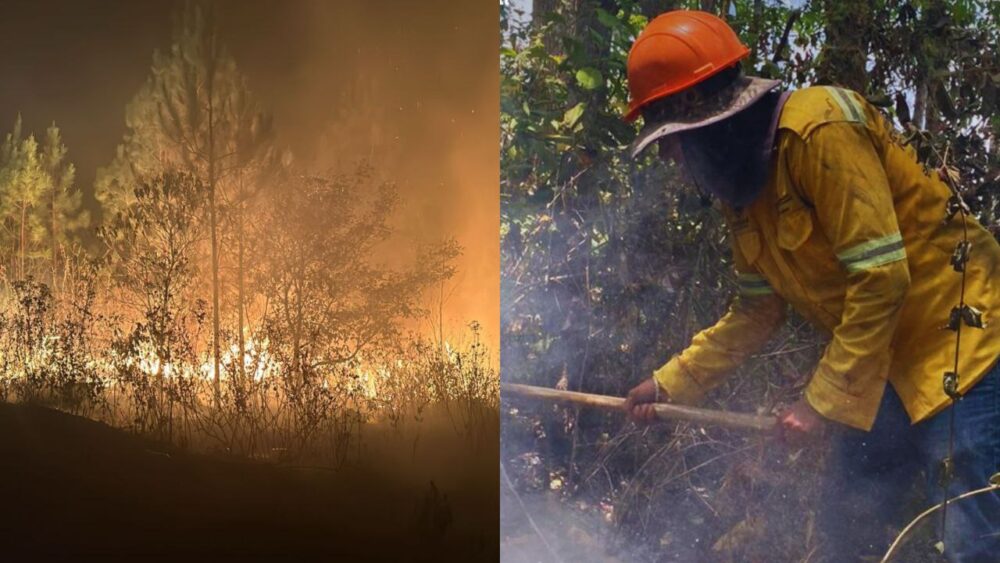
x=610, y=266
x=42, y=213
x=223, y=297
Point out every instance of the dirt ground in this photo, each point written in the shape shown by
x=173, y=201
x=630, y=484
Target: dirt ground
x=74, y=487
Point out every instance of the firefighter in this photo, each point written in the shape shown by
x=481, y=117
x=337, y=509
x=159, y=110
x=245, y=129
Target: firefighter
x=830, y=214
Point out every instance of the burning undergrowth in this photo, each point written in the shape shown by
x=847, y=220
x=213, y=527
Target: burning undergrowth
x=72, y=354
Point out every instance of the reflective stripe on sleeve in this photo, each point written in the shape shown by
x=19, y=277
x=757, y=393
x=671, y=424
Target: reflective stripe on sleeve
x=754, y=284
x=873, y=253
x=851, y=109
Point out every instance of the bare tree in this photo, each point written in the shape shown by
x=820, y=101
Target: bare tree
x=329, y=300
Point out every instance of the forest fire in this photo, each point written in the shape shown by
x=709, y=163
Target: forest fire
x=366, y=381
x=257, y=363
x=221, y=263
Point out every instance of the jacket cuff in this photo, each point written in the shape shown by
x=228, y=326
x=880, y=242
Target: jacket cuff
x=678, y=383
x=857, y=411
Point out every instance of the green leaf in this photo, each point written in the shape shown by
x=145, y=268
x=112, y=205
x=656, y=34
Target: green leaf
x=589, y=78
x=537, y=51
x=638, y=22
x=606, y=18
x=573, y=115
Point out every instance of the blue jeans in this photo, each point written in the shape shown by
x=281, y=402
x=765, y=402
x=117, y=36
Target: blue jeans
x=868, y=492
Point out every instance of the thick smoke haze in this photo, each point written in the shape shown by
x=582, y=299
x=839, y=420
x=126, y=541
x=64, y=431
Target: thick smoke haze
x=411, y=85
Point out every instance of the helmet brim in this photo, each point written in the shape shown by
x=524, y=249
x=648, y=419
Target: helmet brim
x=750, y=89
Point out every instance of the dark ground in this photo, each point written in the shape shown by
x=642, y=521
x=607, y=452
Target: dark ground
x=75, y=489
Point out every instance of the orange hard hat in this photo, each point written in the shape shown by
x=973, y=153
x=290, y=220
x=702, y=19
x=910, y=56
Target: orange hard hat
x=677, y=50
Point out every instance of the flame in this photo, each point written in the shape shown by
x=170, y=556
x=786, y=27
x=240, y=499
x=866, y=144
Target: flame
x=366, y=381
x=257, y=361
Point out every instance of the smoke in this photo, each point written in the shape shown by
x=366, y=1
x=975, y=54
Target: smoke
x=413, y=86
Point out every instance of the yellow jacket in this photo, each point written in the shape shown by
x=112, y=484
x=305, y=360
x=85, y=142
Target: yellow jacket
x=850, y=232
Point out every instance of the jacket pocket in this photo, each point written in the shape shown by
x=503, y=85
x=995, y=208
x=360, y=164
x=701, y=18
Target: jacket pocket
x=794, y=227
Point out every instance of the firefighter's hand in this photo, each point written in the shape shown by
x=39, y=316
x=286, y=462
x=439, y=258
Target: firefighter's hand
x=800, y=424
x=640, y=400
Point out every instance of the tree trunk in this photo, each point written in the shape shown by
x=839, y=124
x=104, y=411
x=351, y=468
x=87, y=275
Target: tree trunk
x=441, y=321
x=756, y=28
x=844, y=55
x=239, y=276
x=931, y=62
x=541, y=7
x=585, y=23
x=24, y=212
x=920, y=105
x=653, y=8
x=54, y=243
x=539, y=10
x=297, y=341
x=213, y=223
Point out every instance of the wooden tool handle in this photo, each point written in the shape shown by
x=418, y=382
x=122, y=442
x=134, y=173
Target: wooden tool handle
x=663, y=411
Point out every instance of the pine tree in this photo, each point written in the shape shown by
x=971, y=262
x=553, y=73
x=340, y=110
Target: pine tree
x=194, y=115
x=40, y=211
x=21, y=191
x=63, y=205
x=10, y=164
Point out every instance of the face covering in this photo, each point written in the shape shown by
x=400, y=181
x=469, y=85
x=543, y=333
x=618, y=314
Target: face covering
x=731, y=159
